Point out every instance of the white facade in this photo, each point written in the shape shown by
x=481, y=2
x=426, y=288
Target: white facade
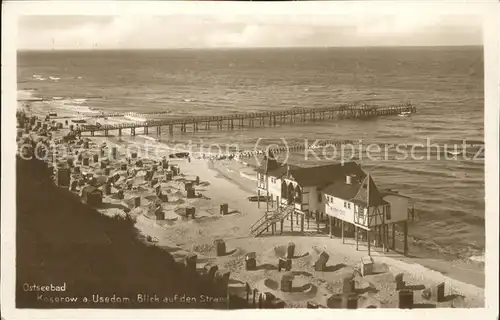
x=339, y=208
x=269, y=184
x=354, y=214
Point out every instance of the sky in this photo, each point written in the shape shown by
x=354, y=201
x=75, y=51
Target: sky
x=235, y=31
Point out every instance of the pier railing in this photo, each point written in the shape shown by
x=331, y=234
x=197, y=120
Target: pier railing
x=256, y=119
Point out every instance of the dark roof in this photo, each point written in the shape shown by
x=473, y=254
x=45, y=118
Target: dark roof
x=279, y=172
x=322, y=176
x=271, y=167
x=368, y=191
x=341, y=190
x=268, y=164
x=389, y=192
x=356, y=191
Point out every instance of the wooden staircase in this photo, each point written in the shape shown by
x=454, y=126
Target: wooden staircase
x=270, y=218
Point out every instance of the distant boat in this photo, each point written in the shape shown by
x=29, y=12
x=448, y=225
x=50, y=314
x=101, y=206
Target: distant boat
x=404, y=114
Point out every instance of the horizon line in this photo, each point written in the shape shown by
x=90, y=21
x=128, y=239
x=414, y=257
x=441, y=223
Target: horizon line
x=250, y=48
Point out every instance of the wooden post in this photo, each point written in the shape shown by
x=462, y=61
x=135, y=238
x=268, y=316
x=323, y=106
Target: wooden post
x=368, y=240
x=330, y=220
x=291, y=221
x=317, y=221
x=267, y=223
x=393, y=242
x=379, y=236
x=302, y=223
x=343, y=239
x=406, y=238
x=258, y=199
x=282, y=226
x=356, y=236
x=386, y=238
x=267, y=200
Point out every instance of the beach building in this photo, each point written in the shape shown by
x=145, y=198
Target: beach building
x=342, y=192
x=63, y=176
x=92, y=196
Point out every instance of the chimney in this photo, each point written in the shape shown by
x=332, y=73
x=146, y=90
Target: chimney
x=348, y=179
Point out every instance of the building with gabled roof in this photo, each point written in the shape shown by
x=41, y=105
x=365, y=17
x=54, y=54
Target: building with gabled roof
x=343, y=192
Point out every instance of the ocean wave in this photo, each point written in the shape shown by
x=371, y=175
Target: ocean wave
x=136, y=118
x=415, y=171
x=79, y=109
x=78, y=101
x=480, y=258
x=150, y=138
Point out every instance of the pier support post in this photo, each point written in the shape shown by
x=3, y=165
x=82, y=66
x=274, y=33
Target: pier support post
x=120, y=132
x=291, y=221
x=281, y=227
x=302, y=223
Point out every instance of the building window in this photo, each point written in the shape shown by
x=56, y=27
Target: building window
x=388, y=212
x=345, y=204
x=361, y=211
x=348, y=205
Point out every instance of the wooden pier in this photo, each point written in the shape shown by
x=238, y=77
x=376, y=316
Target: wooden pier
x=252, y=120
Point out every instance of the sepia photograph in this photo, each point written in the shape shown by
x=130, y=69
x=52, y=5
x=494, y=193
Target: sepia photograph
x=244, y=160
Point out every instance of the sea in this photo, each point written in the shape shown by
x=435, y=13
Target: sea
x=445, y=84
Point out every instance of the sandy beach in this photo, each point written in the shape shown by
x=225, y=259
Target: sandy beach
x=230, y=182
